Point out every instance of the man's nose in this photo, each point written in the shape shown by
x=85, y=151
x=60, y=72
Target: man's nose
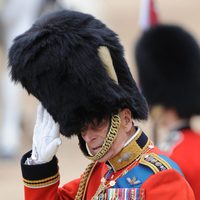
x=88, y=136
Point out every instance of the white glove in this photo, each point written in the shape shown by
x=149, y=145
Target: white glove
x=46, y=137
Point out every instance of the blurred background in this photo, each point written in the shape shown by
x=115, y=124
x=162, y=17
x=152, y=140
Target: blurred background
x=18, y=110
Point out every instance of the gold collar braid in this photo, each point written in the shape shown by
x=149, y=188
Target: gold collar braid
x=131, y=152
x=112, y=134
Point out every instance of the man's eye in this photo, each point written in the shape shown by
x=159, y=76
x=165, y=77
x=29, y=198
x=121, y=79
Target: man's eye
x=98, y=125
x=84, y=129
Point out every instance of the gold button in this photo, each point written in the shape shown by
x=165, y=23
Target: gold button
x=112, y=183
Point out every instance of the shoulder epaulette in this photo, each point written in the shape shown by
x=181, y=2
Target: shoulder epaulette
x=154, y=162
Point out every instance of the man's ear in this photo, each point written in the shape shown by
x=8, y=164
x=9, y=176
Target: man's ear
x=126, y=119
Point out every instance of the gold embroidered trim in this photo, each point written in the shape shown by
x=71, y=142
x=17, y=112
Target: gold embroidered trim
x=155, y=162
x=150, y=165
x=128, y=154
x=42, y=182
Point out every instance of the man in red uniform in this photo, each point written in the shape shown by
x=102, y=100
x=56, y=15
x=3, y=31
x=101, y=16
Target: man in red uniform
x=74, y=65
x=168, y=60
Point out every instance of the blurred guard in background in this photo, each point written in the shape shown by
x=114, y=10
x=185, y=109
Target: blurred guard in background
x=168, y=61
x=75, y=66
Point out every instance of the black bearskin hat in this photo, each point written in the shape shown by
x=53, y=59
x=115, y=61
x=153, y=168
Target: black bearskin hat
x=168, y=60
x=57, y=61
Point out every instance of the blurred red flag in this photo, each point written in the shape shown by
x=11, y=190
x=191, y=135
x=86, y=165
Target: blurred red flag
x=148, y=14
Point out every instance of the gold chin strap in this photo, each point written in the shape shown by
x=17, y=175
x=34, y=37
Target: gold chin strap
x=111, y=136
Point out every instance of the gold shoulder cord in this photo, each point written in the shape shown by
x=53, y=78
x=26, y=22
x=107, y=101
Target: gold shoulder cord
x=112, y=134
x=82, y=184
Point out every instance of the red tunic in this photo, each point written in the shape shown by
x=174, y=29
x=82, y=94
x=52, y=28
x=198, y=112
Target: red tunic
x=185, y=152
x=165, y=185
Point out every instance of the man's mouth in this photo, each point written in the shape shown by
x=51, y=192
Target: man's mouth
x=97, y=148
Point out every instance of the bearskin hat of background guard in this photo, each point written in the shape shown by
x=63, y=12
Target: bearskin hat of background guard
x=168, y=60
x=57, y=61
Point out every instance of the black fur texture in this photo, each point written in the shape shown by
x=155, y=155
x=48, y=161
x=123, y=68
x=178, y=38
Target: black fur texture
x=57, y=61
x=168, y=60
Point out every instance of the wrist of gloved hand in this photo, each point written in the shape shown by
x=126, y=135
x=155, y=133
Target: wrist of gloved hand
x=30, y=161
